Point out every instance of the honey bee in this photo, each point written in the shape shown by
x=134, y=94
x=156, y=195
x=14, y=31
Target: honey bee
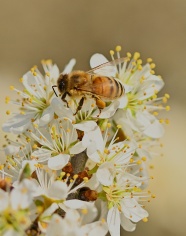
x=94, y=82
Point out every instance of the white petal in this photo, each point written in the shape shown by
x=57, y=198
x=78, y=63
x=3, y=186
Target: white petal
x=69, y=66
x=77, y=148
x=123, y=101
x=58, y=162
x=127, y=224
x=98, y=59
x=86, y=126
x=17, y=124
x=4, y=200
x=113, y=221
x=58, y=190
x=154, y=130
x=106, y=173
x=47, y=116
x=108, y=111
x=95, y=228
x=75, y=204
x=41, y=154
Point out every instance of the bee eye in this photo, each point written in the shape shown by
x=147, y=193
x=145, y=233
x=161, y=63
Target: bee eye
x=61, y=85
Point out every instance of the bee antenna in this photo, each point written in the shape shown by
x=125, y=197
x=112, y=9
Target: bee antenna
x=54, y=90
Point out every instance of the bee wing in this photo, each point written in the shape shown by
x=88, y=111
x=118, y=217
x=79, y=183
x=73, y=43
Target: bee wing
x=107, y=68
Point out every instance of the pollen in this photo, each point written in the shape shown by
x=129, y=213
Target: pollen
x=143, y=158
x=111, y=52
x=85, y=179
x=152, y=65
x=152, y=72
x=155, y=113
x=34, y=146
x=136, y=55
x=145, y=219
x=153, y=196
x=11, y=87
x=167, y=95
x=129, y=55
x=8, y=112
x=131, y=160
x=108, y=125
x=21, y=80
x=106, y=151
x=22, y=112
x=84, y=211
x=167, y=108
x=34, y=73
x=47, y=74
x=167, y=121
x=75, y=177
x=119, y=126
x=149, y=60
x=7, y=100
x=139, y=162
x=118, y=48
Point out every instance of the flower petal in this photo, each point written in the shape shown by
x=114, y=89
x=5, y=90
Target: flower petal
x=113, y=221
x=58, y=162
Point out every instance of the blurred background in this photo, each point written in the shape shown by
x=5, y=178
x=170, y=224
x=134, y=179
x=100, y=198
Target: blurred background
x=60, y=30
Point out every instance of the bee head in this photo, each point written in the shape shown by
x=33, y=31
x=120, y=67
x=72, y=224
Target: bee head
x=62, y=82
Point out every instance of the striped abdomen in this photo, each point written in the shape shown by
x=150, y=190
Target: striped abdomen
x=107, y=87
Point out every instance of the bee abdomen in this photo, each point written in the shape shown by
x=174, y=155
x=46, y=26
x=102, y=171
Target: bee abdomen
x=107, y=87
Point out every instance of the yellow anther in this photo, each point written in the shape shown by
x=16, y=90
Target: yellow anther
x=11, y=87
x=155, y=113
x=152, y=65
x=119, y=126
x=167, y=108
x=129, y=54
x=153, y=196
x=55, y=116
x=49, y=61
x=85, y=179
x=118, y=48
x=161, y=121
x=139, y=162
x=167, y=95
x=106, y=151
x=143, y=158
x=84, y=211
x=8, y=112
x=164, y=99
x=108, y=125
x=35, y=125
x=7, y=100
x=68, y=130
x=152, y=72
x=136, y=55
x=151, y=166
x=131, y=160
x=75, y=177
x=21, y=80
x=140, y=102
x=139, y=61
x=22, y=112
x=34, y=146
x=34, y=73
x=111, y=52
x=145, y=219
x=140, y=67
x=149, y=60
x=47, y=74
x=167, y=121
x=154, y=96
x=151, y=177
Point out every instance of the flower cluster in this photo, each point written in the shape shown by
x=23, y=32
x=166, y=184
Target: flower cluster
x=74, y=167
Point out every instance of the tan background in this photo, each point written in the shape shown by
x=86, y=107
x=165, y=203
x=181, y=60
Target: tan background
x=31, y=30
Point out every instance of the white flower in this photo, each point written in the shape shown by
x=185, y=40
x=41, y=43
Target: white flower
x=15, y=208
x=141, y=86
x=122, y=201
x=55, y=143
x=35, y=104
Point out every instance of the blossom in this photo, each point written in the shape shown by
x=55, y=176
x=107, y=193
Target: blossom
x=35, y=104
x=55, y=143
x=141, y=103
x=122, y=198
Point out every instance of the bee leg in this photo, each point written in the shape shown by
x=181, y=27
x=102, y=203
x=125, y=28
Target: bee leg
x=64, y=96
x=79, y=105
x=100, y=104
